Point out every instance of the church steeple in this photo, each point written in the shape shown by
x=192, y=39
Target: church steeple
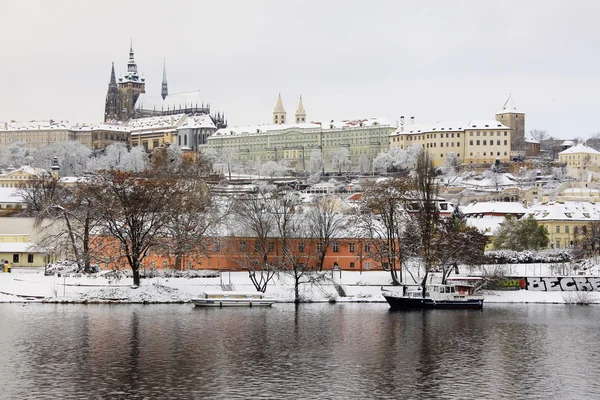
x=300, y=113
x=132, y=71
x=111, y=107
x=279, y=113
x=164, y=90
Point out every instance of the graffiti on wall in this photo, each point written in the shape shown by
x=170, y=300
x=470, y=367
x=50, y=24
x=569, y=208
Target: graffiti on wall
x=563, y=283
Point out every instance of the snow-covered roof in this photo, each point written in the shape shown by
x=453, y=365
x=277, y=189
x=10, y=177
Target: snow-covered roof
x=579, y=149
x=449, y=126
x=509, y=107
x=569, y=210
x=499, y=207
x=197, y=121
x=34, y=125
x=10, y=195
x=177, y=101
x=20, y=247
x=486, y=224
x=156, y=122
x=306, y=126
x=24, y=169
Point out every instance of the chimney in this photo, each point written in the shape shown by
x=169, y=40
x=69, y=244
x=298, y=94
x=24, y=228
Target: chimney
x=402, y=123
x=412, y=120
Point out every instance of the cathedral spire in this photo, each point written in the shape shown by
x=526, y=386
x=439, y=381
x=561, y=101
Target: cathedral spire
x=111, y=106
x=300, y=113
x=165, y=90
x=132, y=72
x=279, y=113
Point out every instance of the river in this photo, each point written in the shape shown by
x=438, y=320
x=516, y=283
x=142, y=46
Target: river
x=314, y=351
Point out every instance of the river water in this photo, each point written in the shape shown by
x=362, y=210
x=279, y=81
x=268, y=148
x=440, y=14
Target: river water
x=314, y=351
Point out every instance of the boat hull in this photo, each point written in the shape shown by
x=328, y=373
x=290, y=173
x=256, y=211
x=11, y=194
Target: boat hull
x=413, y=303
x=232, y=302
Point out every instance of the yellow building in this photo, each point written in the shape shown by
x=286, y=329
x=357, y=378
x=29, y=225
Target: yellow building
x=565, y=221
x=474, y=142
x=580, y=158
x=15, y=178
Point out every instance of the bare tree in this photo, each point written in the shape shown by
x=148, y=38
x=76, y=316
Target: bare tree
x=384, y=219
x=228, y=156
x=134, y=209
x=254, y=221
x=66, y=215
x=427, y=216
x=324, y=222
x=456, y=243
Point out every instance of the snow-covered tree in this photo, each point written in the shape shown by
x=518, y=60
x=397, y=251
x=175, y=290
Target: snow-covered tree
x=272, y=169
x=19, y=154
x=382, y=162
x=340, y=159
x=451, y=163
x=315, y=166
x=362, y=163
x=228, y=156
x=73, y=157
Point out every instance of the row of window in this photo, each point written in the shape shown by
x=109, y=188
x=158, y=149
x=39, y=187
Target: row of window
x=16, y=258
x=335, y=247
x=485, y=133
x=485, y=153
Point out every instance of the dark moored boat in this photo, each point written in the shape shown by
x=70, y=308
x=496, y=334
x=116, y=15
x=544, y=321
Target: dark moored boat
x=450, y=296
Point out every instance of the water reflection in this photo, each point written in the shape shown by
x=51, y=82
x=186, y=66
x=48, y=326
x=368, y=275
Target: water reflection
x=306, y=351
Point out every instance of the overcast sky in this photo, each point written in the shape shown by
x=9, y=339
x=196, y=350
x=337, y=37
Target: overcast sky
x=434, y=60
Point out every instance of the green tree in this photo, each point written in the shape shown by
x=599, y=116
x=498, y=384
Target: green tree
x=519, y=235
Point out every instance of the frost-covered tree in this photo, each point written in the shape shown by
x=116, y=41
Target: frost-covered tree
x=382, y=162
x=73, y=157
x=315, y=166
x=451, y=163
x=19, y=154
x=228, y=156
x=272, y=169
x=340, y=159
x=362, y=163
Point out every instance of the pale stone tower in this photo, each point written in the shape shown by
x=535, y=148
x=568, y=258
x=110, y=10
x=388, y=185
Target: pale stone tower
x=164, y=90
x=279, y=113
x=514, y=119
x=300, y=113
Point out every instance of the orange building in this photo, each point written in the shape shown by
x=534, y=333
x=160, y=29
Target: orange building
x=241, y=253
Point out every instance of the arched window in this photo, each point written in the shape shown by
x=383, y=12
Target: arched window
x=185, y=140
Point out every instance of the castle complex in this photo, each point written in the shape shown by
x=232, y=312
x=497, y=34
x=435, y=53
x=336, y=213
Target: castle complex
x=126, y=98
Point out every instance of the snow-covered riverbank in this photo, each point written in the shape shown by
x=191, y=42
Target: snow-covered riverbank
x=31, y=285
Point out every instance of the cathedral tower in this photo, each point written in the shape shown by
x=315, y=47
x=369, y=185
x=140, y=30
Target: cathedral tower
x=111, y=107
x=300, y=113
x=279, y=113
x=130, y=87
x=514, y=119
x=164, y=91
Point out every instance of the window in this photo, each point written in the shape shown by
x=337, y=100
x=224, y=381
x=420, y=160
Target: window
x=30, y=258
x=557, y=229
x=301, y=247
x=15, y=258
x=567, y=229
x=243, y=246
x=351, y=247
x=367, y=247
x=498, y=142
x=484, y=142
x=505, y=142
x=351, y=264
x=319, y=247
x=336, y=247
x=217, y=246
x=367, y=266
x=271, y=247
x=442, y=144
x=478, y=143
x=256, y=246
x=470, y=143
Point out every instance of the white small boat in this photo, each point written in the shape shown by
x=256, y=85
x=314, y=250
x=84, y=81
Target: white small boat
x=221, y=298
x=449, y=296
